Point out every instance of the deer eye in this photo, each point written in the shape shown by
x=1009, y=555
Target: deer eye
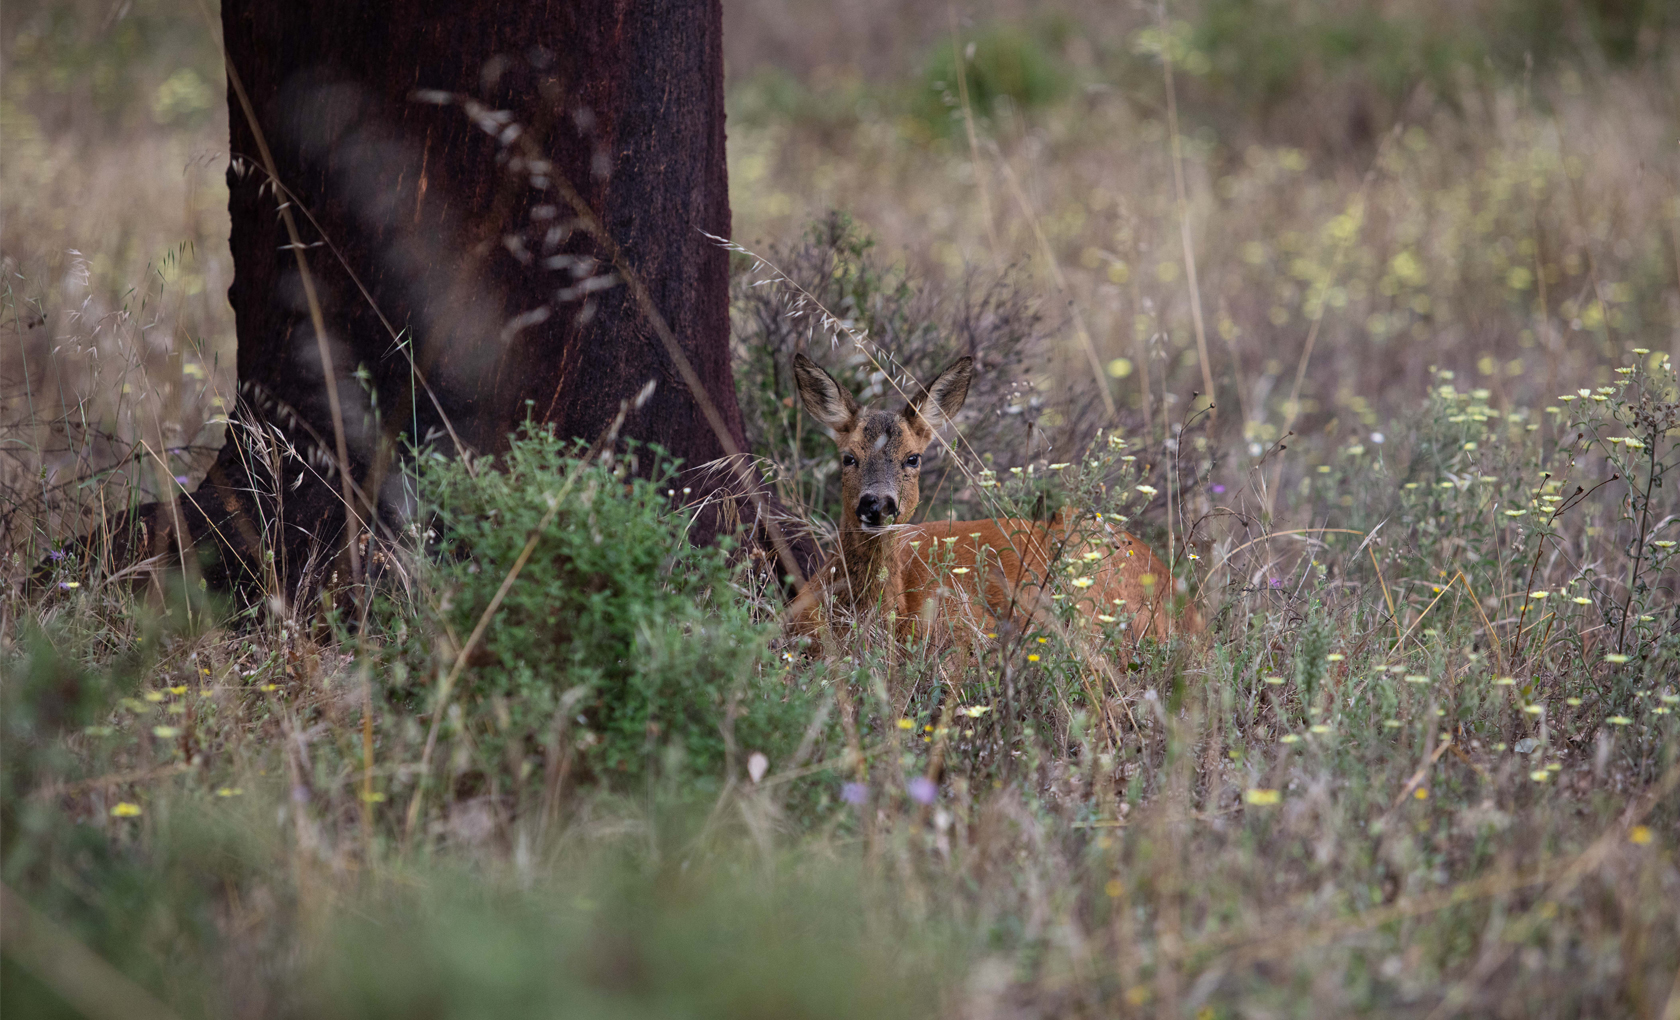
x=847, y=460
x=913, y=461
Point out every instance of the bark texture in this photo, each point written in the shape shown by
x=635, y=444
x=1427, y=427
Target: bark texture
x=428, y=152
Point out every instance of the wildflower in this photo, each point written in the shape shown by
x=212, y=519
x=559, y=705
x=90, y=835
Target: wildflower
x=1092, y=556
x=1504, y=681
x=269, y=687
x=165, y=732
x=1534, y=709
x=1642, y=351
x=1515, y=513
x=1416, y=678
x=1538, y=594
x=69, y=585
x=1469, y=446
x=1663, y=544
x=1580, y=601
x=1568, y=398
x=1334, y=657
x=974, y=711
x=1113, y=889
x=1082, y=582
x=1572, y=702
x=1615, y=658
x=922, y=790
x=1058, y=467
x=153, y=696
x=1032, y=658
x=906, y=724
x=125, y=809
x=1619, y=720
x=1043, y=640
x=1274, y=680
x=1539, y=775
x=1377, y=437
x=854, y=793
x=230, y=791
x=1640, y=835
x=1105, y=619
x=1147, y=490
x=959, y=570
x=1421, y=794
x=178, y=689
x=1669, y=699
x=1217, y=489
x=1263, y=798
x=1391, y=724
x=1320, y=729
x=1289, y=738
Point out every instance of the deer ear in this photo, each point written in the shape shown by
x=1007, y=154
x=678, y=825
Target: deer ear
x=824, y=399
x=941, y=399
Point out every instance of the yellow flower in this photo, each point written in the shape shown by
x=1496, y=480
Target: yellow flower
x=1391, y=724
x=1092, y=556
x=165, y=732
x=1616, y=658
x=1113, y=889
x=1640, y=834
x=180, y=689
x=1289, y=738
x=905, y=724
x=1082, y=582
x=1539, y=775
x=125, y=809
x=1421, y=794
x=1263, y=797
x=1618, y=720
x=1572, y=702
x=230, y=791
x=153, y=696
x=1416, y=678
x=959, y=570
x=1274, y=680
x=1504, y=681
x=1320, y=729
x=1147, y=490
x=1334, y=657
x=1032, y=658
x=1515, y=513
x=1580, y=601
x=1538, y=594
x=1534, y=709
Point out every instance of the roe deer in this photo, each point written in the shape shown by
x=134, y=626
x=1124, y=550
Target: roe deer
x=968, y=572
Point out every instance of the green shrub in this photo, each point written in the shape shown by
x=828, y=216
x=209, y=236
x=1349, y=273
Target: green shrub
x=617, y=631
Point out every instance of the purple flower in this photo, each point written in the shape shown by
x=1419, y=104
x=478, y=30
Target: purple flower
x=181, y=479
x=1276, y=583
x=1218, y=490
x=55, y=554
x=922, y=790
x=854, y=793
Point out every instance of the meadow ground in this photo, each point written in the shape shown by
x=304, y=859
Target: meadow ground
x=1422, y=761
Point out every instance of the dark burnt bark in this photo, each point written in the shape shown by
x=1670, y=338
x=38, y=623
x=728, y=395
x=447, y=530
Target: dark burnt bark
x=428, y=151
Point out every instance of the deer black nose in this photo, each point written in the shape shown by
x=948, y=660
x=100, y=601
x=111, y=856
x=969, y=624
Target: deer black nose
x=871, y=508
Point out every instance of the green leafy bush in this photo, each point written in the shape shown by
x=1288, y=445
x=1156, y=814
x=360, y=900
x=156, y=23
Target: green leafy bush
x=617, y=634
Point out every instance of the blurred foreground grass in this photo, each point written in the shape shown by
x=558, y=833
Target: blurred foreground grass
x=1424, y=761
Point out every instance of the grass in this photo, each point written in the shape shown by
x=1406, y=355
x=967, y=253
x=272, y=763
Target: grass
x=1423, y=761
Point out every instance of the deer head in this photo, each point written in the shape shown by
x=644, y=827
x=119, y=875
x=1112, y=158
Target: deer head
x=880, y=451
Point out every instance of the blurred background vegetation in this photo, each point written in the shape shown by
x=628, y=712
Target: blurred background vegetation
x=1406, y=220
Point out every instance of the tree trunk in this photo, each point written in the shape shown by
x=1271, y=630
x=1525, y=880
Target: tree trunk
x=478, y=188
